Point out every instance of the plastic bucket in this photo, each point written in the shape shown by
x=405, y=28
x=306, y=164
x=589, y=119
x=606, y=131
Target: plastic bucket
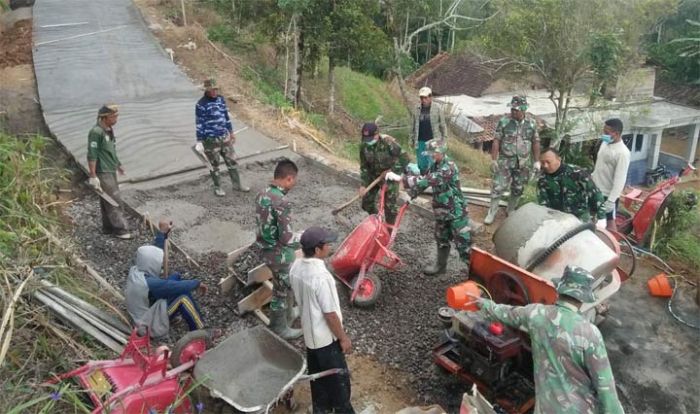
x=660, y=286
x=458, y=296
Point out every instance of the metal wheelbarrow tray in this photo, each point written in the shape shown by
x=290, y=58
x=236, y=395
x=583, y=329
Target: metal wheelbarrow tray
x=250, y=370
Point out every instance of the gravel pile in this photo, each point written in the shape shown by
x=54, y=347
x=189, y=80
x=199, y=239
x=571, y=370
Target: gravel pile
x=400, y=331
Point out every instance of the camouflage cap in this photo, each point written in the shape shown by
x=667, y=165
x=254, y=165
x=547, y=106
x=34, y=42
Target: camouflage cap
x=435, y=145
x=519, y=102
x=210, y=83
x=576, y=282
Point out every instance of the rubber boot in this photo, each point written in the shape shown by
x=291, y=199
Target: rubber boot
x=236, y=180
x=280, y=325
x=440, y=264
x=293, y=312
x=493, y=210
x=217, y=184
x=513, y=204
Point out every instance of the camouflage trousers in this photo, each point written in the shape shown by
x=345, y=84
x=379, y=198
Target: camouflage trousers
x=511, y=175
x=456, y=230
x=215, y=150
x=279, y=260
x=370, y=202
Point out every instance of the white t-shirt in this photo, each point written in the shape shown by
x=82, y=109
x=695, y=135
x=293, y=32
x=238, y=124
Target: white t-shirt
x=610, y=172
x=315, y=292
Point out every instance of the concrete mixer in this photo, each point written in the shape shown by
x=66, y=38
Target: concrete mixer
x=533, y=245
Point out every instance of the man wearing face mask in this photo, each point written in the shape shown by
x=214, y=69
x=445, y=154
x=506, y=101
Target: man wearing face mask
x=515, y=149
x=379, y=153
x=610, y=171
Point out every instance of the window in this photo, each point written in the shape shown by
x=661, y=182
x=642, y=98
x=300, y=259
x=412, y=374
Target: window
x=627, y=139
x=639, y=143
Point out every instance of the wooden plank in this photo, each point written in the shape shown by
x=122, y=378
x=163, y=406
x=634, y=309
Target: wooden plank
x=259, y=274
x=226, y=283
x=256, y=300
x=262, y=316
x=234, y=255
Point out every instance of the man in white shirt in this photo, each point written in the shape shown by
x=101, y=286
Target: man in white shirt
x=610, y=172
x=322, y=322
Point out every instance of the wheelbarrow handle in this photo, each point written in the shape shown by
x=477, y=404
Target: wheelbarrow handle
x=326, y=373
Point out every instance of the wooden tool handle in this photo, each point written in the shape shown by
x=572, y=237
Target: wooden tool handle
x=369, y=187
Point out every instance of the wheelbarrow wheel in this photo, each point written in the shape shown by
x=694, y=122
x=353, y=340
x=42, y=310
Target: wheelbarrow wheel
x=368, y=291
x=190, y=346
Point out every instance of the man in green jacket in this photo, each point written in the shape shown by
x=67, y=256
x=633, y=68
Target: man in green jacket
x=428, y=123
x=103, y=166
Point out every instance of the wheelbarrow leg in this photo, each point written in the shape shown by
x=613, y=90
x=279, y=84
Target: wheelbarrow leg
x=358, y=281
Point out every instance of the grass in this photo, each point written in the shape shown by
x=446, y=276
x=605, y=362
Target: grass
x=365, y=97
x=678, y=234
x=35, y=349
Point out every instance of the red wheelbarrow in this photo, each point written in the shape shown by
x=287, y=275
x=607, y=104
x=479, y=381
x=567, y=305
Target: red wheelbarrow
x=251, y=370
x=367, y=245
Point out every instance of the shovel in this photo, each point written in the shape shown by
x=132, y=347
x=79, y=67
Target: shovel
x=106, y=197
x=198, y=150
x=352, y=200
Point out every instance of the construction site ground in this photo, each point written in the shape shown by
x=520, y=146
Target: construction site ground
x=654, y=357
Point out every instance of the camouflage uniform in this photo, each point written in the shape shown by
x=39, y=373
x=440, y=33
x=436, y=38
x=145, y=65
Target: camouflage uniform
x=449, y=205
x=515, y=149
x=276, y=239
x=571, y=367
x=385, y=154
x=571, y=190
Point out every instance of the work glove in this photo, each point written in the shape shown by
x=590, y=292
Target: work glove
x=296, y=237
x=199, y=147
x=94, y=182
x=392, y=176
x=537, y=166
x=404, y=198
x=609, y=206
x=494, y=166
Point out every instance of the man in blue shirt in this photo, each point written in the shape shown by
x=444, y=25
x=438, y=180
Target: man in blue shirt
x=215, y=134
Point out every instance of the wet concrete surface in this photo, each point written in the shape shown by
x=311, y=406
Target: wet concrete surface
x=654, y=358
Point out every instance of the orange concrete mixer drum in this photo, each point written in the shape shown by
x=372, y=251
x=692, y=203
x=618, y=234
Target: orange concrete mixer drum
x=463, y=296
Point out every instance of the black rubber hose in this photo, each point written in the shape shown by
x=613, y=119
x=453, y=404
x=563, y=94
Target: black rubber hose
x=554, y=246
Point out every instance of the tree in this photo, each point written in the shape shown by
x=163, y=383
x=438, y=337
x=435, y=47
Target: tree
x=557, y=39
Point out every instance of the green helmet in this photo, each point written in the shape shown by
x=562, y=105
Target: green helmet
x=435, y=145
x=576, y=282
x=519, y=103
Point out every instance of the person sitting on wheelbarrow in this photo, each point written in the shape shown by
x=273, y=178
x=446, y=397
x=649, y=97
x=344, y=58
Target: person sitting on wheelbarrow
x=380, y=153
x=449, y=204
x=152, y=302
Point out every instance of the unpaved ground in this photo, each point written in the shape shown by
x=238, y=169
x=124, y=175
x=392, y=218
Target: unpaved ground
x=396, y=336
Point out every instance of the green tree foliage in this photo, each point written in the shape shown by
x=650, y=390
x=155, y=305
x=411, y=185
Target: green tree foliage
x=675, y=45
x=564, y=40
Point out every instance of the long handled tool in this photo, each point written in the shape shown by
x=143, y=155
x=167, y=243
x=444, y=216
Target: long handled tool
x=198, y=150
x=106, y=197
x=369, y=187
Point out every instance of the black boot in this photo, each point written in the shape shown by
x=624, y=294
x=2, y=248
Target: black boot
x=440, y=265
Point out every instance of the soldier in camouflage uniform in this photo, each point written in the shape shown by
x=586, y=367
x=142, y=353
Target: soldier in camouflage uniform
x=380, y=153
x=571, y=367
x=215, y=134
x=449, y=205
x=278, y=243
x=516, y=145
x=568, y=188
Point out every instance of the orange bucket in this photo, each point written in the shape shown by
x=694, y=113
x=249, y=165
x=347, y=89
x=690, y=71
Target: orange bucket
x=660, y=286
x=458, y=296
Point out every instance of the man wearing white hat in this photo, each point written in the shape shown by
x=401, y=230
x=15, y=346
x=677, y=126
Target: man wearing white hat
x=428, y=123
